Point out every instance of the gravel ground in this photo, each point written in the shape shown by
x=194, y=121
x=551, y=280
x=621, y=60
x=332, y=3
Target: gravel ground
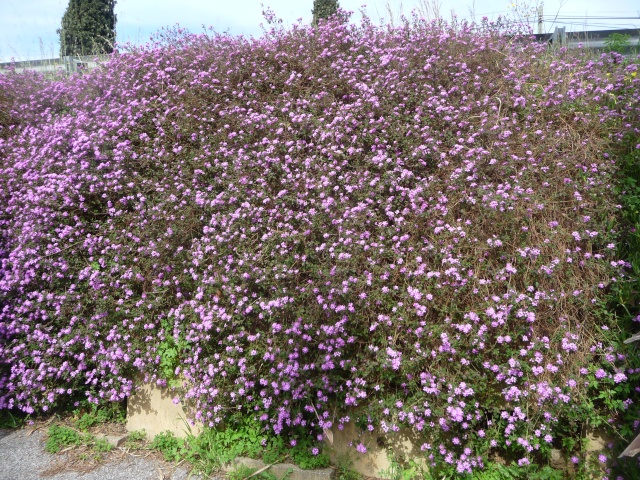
x=22, y=457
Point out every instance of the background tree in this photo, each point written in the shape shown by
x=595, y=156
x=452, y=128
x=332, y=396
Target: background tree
x=88, y=27
x=323, y=9
x=617, y=42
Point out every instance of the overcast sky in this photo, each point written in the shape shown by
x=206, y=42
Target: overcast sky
x=28, y=27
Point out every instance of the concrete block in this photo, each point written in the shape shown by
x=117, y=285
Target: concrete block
x=152, y=409
x=557, y=459
x=402, y=444
x=343, y=446
x=115, y=440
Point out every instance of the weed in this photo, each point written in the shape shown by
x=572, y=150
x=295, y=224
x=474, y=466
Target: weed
x=347, y=474
x=61, y=437
x=101, y=445
x=306, y=459
x=242, y=472
x=173, y=449
x=398, y=471
x=135, y=439
x=239, y=436
x=344, y=470
x=96, y=415
x=9, y=420
x=137, y=436
x=498, y=471
x=217, y=446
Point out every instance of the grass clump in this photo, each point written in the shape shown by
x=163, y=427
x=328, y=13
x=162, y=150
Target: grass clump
x=173, y=449
x=61, y=437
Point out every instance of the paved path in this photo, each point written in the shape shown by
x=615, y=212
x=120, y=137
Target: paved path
x=22, y=457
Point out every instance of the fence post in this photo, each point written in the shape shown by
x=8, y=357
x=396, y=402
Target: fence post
x=68, y=64
x=559, y=37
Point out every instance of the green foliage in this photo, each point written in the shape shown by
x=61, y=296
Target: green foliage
x=344, y=470
x=400, y=471
x=94, y=415
x=239, y=436
x=245, y=436
x=492, y=471
x=217, y=446
x=88, y=27
x=323, y=9
x=275, y=451
x=347, y=474
x=625, y=301
x=137, y=436
x=243, y=472
x=617, y=42
x=101, y=445
x=498, y=471
x=607, y=399
x=61, y=437
x=9, y=420
x=135, y=440
x=171, y=351
x=173, y=449
x=305, y=459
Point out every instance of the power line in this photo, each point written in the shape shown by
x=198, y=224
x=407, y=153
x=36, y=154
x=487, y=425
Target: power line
x=588, y=18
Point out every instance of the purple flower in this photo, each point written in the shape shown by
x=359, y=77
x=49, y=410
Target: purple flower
x=619, y=377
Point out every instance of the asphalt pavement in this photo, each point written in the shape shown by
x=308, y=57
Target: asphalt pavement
x=22, y=457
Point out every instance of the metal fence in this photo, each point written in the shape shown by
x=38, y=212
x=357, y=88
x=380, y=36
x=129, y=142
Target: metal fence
x=596, y=39
x=70, y=64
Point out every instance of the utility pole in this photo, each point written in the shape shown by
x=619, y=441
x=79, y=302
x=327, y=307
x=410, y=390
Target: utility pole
x=540, y=21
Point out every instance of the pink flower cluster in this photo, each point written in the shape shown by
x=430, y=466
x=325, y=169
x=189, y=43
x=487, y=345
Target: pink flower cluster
x=320, y=219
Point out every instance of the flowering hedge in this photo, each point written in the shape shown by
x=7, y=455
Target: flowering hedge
x=407, y=227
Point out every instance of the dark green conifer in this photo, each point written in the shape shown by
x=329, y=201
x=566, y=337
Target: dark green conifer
x=324, y=9
x=88, y=27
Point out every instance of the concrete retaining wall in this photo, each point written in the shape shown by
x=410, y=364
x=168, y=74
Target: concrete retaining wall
x=152, y=409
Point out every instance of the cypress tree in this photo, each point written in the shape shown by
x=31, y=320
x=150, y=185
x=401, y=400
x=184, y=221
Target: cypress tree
x=88, y=27
x=324, y=9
